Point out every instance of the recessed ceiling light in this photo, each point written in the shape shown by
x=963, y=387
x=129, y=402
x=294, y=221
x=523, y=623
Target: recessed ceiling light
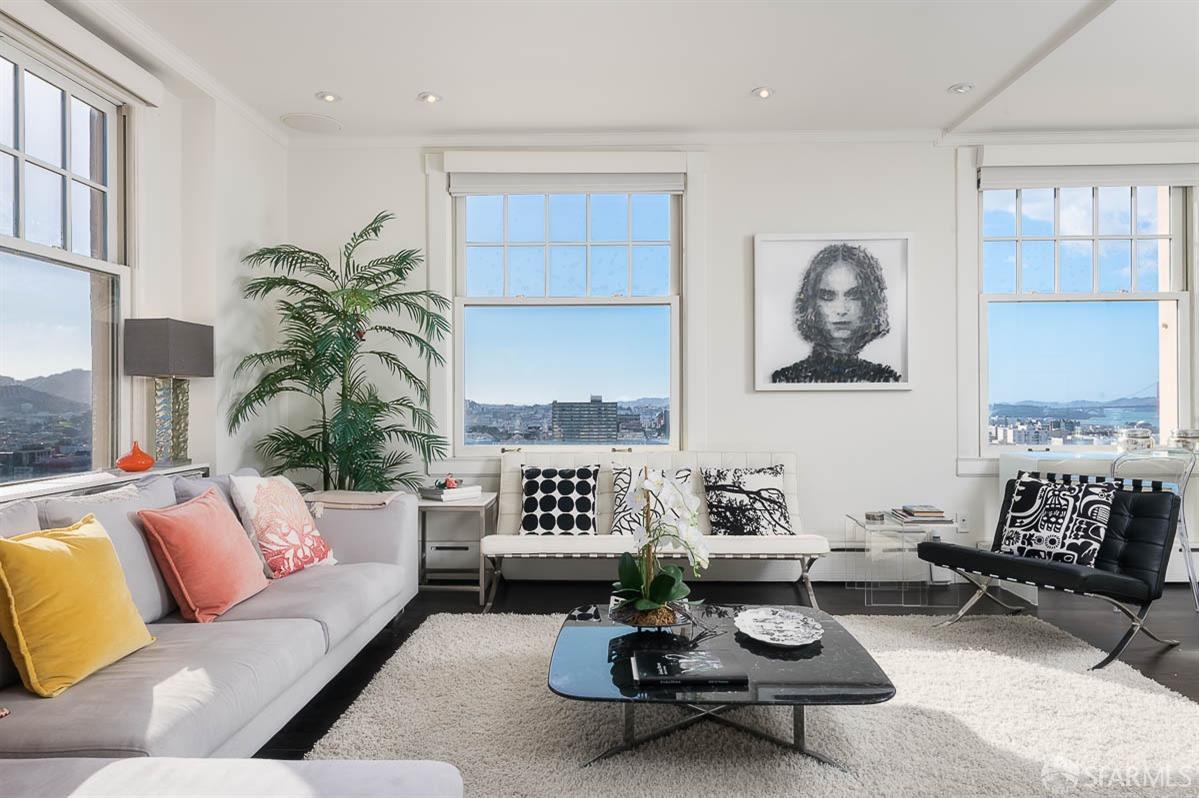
x=961, y=88
x=327, y=96
x=762, y=92
x=428, y=97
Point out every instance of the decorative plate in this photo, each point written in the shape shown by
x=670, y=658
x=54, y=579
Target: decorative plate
x=778, y=627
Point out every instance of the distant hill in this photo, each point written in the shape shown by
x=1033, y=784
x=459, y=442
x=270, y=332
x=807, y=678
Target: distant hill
x=20, y=400
x=75, y=385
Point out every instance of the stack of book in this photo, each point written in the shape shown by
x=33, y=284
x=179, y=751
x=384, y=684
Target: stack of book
x=452, y=494
x=920, y=514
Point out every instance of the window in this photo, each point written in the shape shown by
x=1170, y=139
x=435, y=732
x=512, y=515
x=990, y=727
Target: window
x=567, y=319
x=1083, y=297
x=60, y=286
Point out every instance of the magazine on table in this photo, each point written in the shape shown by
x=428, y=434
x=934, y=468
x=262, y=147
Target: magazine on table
x=684, y=669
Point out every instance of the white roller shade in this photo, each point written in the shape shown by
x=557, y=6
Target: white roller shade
x=1176, y=174
x=501, y=183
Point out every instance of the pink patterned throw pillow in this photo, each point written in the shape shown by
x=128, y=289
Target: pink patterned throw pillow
x=274, y=512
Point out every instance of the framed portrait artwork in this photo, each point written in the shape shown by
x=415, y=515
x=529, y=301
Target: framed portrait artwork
x=831, y=312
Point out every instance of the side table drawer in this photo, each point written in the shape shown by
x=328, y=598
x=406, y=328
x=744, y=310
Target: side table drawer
x=457, y=555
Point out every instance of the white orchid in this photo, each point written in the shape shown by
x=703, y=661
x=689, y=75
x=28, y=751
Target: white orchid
x=666, y=518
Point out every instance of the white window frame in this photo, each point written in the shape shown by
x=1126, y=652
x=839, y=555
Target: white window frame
x=115, y=261
x=461, y=302
x=693, y=301
x=976, y=457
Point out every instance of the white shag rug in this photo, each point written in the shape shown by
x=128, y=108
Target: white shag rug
x=993, y=705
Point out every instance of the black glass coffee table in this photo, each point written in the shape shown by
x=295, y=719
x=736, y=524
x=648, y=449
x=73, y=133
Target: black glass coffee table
x=592, y=656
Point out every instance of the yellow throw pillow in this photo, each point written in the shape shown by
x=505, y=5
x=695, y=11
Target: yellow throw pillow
x=65, y=610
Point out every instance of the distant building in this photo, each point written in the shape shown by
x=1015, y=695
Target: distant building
x=596, y=421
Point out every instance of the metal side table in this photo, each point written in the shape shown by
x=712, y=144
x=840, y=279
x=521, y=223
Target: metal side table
x=1174, y=466
x=451, y=558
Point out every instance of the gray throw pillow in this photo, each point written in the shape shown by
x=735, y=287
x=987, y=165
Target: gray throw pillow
x=116, y=510
x=188, y=488
x=15, y=518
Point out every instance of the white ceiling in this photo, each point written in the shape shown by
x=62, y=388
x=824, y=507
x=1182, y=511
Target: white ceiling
x=578, y=66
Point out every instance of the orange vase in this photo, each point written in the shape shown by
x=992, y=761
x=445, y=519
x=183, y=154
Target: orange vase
x=135, y=460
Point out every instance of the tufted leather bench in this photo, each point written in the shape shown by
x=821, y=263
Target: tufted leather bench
x=509, y=543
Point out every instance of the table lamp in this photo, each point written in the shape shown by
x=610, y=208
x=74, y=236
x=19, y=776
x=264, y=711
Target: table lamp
x=170, y=351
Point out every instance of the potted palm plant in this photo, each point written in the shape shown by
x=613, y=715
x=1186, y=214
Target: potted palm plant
x=649, y=593
x=333, y=322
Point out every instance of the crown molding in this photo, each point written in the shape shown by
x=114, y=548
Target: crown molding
x=149, y=46
x=644, y=140
x=1170, y=135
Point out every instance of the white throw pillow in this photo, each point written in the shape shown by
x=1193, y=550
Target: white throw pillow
x=272, y=509
x=624, y=518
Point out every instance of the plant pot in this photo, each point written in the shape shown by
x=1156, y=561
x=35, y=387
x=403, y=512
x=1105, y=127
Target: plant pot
x=648, y=619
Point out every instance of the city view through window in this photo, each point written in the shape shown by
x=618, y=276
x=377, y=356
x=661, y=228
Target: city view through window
x=47, y=323
x=1072, y=373
x=567, y=375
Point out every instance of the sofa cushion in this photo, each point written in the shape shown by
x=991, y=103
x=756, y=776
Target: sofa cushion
x=15, y=518
x=188, y=488
x=204, y=555
x=183, y=696
x=116, y=510
x=1060, y=575
x=339, y=598
x=65, y=611
x=273, y=511
x=18, y=517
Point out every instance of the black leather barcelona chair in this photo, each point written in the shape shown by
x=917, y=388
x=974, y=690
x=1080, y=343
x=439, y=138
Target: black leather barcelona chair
x=1129, y=571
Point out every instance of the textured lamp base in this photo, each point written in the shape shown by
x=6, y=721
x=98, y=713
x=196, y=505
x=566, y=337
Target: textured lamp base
x=170, y=420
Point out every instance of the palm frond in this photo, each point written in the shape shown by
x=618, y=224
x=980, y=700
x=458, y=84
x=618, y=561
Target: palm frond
x=368, y=233
x=427, y=351
x=289, y=259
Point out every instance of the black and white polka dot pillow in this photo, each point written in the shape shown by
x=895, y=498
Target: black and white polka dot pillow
x=558, y=501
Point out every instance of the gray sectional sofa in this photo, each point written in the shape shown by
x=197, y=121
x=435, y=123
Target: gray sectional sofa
x=220, y=689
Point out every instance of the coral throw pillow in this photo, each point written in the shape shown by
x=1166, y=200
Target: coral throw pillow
x=274, y=511
x=205, y=557
x=65, y=610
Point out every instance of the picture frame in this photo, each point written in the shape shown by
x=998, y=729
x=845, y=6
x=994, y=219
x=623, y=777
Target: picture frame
x=844, y=327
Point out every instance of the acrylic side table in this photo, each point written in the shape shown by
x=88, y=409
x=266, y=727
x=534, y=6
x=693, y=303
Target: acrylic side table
x=890, y=573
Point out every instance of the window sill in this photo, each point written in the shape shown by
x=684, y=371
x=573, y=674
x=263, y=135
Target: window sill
x=75, y=483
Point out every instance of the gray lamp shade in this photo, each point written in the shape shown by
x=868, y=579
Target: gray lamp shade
x=167, y=348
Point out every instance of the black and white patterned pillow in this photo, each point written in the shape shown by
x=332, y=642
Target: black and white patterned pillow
x=624, y=518
x=558, y=501
x=747, y=501
x=1055, y=521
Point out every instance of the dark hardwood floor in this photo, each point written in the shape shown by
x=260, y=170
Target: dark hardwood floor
x=1173, y=616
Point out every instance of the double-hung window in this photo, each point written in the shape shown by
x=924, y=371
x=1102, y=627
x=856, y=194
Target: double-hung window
x=60, y=272
x=1083, y=313
x=566, y=318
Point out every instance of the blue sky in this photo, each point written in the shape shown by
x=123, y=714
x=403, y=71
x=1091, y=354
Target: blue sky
x=1062, y=351
x=531, y=355
x=45, y=318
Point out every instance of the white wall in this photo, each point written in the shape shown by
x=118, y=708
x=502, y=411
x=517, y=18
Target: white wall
x=857, y=450
x=214, y=188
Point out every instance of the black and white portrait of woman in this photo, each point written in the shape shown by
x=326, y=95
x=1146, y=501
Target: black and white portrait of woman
x=831, y=313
